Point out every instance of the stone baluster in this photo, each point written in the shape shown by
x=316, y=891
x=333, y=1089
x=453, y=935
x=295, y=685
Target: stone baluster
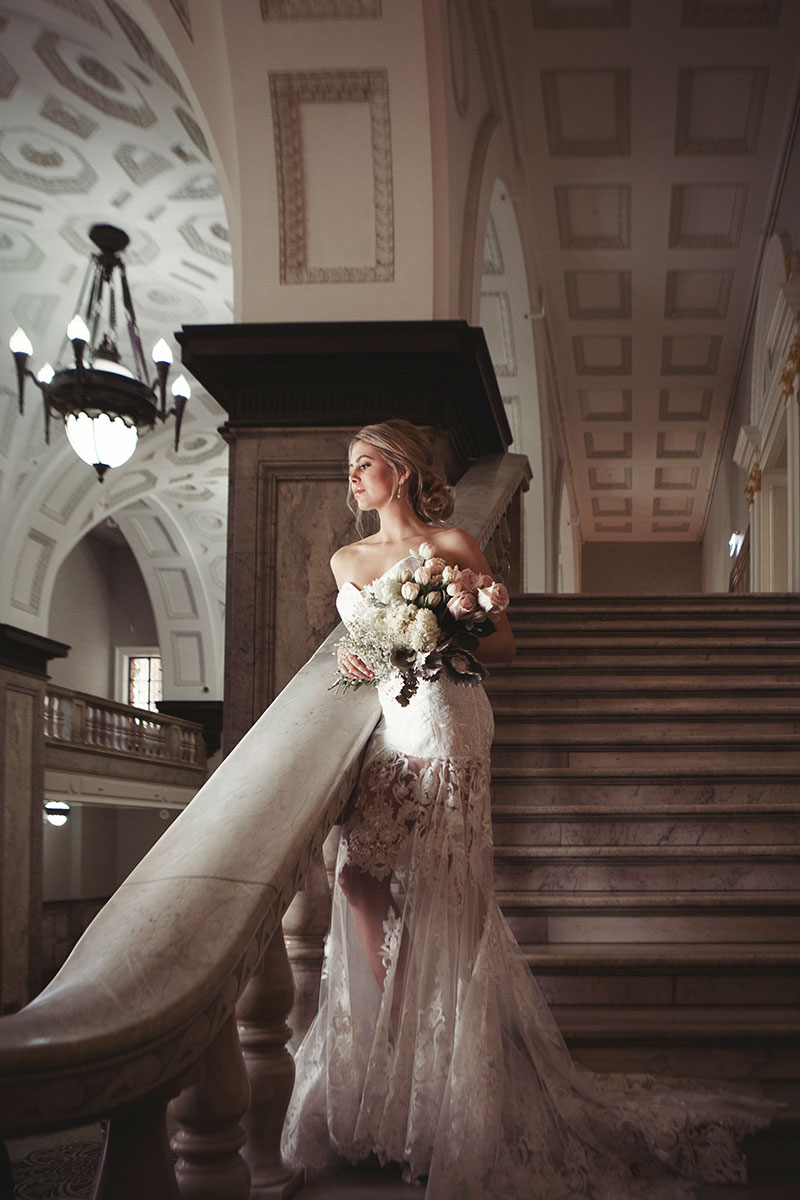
x=76, y=721
x=136, y=1160
x=262, y=1012
x=209, y=1166
x=305, y=926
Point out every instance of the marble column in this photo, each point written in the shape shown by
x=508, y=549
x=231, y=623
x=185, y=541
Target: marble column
x=23, y=675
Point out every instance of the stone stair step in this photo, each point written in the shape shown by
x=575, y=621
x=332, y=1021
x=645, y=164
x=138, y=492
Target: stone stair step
x=715, y=629
x=666, y=824
x=753, y=604
x=546, y=701
x=675, y=974
x=588, y=754
x=658, y=868
x=543, y=724
x=534, y=672
x=759, y=1042
x=649, y=652
x=665, y=784
x=651, y=916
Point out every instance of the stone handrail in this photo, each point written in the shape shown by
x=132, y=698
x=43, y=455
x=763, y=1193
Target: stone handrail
x=106, y=727
x=145, y=1007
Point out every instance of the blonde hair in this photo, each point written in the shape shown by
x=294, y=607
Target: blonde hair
x=407, y=447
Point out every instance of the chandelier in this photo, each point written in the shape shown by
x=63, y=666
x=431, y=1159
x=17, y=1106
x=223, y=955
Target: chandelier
x=102, y=402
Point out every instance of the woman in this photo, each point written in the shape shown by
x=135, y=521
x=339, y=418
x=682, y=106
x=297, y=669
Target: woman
x=433, y=1046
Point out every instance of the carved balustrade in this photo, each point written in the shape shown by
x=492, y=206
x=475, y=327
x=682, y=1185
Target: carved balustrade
x=86, y=722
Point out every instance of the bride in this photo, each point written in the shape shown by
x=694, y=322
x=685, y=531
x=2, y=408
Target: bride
x=433, y=1046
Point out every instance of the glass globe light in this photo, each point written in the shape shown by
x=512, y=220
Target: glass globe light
x=101, y=441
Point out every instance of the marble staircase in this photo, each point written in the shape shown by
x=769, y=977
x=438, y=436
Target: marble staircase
x=646, y=784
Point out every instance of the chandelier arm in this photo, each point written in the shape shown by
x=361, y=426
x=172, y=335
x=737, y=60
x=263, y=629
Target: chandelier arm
x=21, y=363
x=177, y=411
x=133, y=328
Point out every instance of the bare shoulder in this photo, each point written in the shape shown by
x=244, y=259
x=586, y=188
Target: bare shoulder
x=345, y=562
x=460, y=547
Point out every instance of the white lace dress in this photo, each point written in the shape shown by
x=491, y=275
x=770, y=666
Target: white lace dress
x=475, y=1089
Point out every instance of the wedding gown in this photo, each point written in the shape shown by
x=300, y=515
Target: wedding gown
x=475, y=1089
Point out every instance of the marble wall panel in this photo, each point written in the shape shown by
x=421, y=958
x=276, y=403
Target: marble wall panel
x=21, y=752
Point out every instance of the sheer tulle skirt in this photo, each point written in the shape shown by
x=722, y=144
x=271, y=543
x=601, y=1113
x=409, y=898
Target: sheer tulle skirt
x=474, y=1088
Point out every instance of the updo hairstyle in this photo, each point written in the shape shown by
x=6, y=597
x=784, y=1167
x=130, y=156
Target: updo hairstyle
x=404, y=445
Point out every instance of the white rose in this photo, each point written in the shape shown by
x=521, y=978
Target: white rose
x=449, y=574
x=426, y=550
x=410, y=590
x=422, y=575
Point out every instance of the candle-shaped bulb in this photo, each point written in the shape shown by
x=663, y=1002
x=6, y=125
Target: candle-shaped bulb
x=19, y=342
x=45, y=373
x=77, y=330
x=181, y=388
x=162, y=352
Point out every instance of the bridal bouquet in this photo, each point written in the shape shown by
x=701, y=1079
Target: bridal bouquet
x=421, y=618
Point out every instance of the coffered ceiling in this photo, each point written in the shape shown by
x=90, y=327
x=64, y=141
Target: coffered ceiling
x=652, y=137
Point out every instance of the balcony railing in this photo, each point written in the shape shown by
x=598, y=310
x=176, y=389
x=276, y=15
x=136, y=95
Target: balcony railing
x=86, y=722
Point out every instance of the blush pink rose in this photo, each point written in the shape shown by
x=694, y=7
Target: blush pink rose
x=468, y=580
x=494, y=598
x=435, y=565
x=462, y=605
x=409, y=590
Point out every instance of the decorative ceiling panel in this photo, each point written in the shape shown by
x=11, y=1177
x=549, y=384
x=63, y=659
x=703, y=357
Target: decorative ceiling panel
x=8, y=78
x=719, y=109
x=603, y=479
x=698, y=295
x=690, y=355
x=319, y=10
x=598, y=295
x=685, y=404
x=706, y=216
x=678, y=479
x=581, y=14
x=672, y=506
x=680, y=443
x=606, y=404
x=587, y=112
x=594, y=217
x=597, y=355
x=608, y=444
x=612, y=506
x=730, y=14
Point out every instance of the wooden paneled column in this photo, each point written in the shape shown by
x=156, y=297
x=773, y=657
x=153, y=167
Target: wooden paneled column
x=23, y=676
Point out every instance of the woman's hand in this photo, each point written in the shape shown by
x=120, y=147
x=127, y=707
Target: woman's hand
x=353, y=667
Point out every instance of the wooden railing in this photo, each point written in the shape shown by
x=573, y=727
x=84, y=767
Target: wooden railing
x=90, y=723
x=145, y=1009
